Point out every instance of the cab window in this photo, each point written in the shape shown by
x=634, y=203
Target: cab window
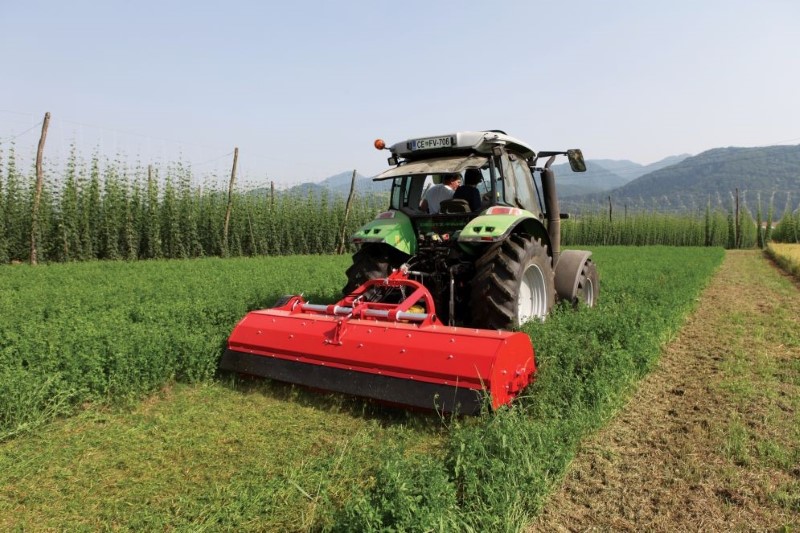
x=400, y=191
x=408, y=191
x=505, y=184
x=485, y=186
x=524, y=184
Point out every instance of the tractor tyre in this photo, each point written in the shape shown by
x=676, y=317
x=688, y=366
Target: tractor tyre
x=514, y=282
x=588, y=285
x=283, y=300
x=371, y=261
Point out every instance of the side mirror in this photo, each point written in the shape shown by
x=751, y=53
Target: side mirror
x=576, y=162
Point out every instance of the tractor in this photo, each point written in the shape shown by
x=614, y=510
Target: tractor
x=438, y=285
x=494, y=267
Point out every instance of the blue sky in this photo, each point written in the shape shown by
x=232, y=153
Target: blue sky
x=303, y=88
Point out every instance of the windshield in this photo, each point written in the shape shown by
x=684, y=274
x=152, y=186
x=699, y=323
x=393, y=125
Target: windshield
x=411, y=180
x=408, y=189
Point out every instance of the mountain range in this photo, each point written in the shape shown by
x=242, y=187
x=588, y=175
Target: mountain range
x=769, y=175
x=605, y=174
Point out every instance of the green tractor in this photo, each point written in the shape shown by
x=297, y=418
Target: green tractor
x=490, y=261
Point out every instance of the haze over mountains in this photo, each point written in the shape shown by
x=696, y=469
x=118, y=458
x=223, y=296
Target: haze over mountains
x=771, y=174
x=605, y=174
x=677, y=183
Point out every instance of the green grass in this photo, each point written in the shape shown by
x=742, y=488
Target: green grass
x=113, y=331
x=735, y=444
x=261, y=456
x=788, y=497
x=245, y=457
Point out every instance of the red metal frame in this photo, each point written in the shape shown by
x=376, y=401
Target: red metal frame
x=389, y=340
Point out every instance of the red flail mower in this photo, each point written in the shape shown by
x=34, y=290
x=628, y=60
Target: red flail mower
x=394, y=352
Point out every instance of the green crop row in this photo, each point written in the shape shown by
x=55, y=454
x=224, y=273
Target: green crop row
x=788, y=228
x=711, y=228
x=107, y=331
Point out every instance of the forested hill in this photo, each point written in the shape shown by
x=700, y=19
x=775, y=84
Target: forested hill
x=605, y=174
x=771, y=172
x=339, y=185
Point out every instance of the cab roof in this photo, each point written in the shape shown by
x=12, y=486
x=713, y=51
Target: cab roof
x=480, y=142
x=438, y=165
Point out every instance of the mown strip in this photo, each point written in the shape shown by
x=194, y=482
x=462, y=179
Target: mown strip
x=498, y=469
x=220, y=456
x=711, y=438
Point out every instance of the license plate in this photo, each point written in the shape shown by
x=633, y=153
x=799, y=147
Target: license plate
x=432, y=142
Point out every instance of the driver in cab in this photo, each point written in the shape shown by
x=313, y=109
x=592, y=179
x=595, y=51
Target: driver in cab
x=439, y=193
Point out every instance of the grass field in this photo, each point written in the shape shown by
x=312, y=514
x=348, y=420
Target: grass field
x=201, y=453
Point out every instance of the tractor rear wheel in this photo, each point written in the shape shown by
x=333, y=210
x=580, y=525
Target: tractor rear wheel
x=588, y=285
x=371, y=261
x=513, y=283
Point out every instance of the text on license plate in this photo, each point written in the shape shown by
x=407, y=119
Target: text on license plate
x=432, y=142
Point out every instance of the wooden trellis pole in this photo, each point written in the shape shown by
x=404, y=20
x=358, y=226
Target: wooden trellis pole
x=37, y=197
x=230, y=203
x=737, y=239
x=343, y=233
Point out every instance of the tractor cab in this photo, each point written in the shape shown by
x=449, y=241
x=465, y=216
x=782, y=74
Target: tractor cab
x=500, y=161
x=505, y=177
x=510, y=198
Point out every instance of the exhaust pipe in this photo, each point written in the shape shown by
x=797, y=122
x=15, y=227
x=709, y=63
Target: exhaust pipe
x=552, y=208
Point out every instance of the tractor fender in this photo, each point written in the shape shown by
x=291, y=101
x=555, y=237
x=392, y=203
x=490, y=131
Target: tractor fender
x=488, y=228
x=391, y=227
x=568, y=272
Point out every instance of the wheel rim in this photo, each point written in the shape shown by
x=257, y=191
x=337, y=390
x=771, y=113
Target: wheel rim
x=587, y=292
x=532, y=299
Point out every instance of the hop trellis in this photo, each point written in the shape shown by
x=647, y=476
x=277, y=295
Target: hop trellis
x=106, y=210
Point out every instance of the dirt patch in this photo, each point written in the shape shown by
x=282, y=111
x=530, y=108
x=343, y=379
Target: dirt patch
x=709, y=441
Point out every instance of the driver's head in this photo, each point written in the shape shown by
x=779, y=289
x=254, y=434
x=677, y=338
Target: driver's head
x=472, y=176
x=452, y=180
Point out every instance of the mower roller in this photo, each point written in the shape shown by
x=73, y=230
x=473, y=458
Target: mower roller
x=437, y=283
x=398, y=353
